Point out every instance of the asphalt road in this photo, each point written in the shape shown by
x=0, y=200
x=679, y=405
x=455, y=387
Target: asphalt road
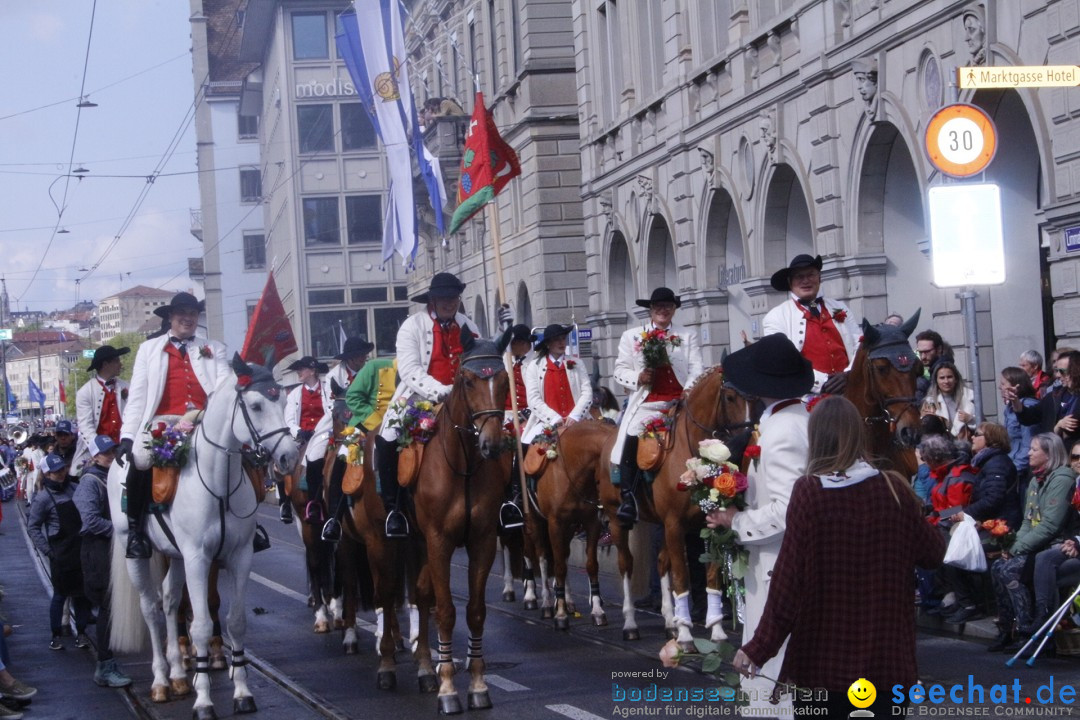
x=534, y=671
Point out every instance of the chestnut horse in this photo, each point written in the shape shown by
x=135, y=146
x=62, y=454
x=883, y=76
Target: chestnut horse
x=463, y=477
x=566, y=496
x=708, y=409
x=881, y=384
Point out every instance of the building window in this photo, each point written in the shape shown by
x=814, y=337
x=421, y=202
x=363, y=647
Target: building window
x=364, y=216
x=515, y=35
x=321, y=226
x=326, y=297
x=357, y=132
x=315, y=125
x=401, y=292
x=387, y=322
x=248, y=126
x=254, y=251
x=609, y=60
x=309, y=36
x=251, y=305
x=368, y=295
x=492, y=47
x=250, y=185
x=326, y=332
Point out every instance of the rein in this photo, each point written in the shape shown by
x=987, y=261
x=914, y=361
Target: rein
x=873, y=393
x=716, y=431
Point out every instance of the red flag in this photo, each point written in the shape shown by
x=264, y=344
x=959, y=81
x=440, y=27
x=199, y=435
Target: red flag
x=63, y=395
x=486, y=166
x=269, y=336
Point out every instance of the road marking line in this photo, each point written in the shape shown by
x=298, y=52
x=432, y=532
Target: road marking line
x=572, y=712
x=503, y=683
x=288, y=592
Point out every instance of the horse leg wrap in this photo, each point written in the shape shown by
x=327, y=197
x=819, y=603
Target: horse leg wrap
x=476, y=648
x=527, y=573
x=445, y=653
x=594, y=592
x=682, y=609
x=239, y=659
x=715, y=612
x=202, y=664
x=560, y=592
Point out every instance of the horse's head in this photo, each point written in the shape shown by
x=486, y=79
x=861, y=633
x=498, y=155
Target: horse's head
x=886, y=376
x=341, y=412
x=719, y=410
x=260, y=422
x=480, y=391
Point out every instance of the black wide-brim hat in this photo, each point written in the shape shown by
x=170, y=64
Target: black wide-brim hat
x=551, y=332
x=355, y=347
x=661, y=294
x=180, y=301
x=781, y=279
x=443, y=285
x=311, y=363
x=522, y=333
x=104, y=354
x=770, y=368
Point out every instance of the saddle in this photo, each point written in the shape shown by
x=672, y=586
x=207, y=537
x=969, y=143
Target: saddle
x=166, y=479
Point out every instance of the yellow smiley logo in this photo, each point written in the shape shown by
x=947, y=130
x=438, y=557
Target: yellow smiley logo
x=862, y=693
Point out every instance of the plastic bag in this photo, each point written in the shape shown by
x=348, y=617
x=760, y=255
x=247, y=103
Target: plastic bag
x=965, y=550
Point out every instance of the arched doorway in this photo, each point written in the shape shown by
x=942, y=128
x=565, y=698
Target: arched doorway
x=660, y=258
x=480, y=315
x=524, y=305
x=788, y=231
x=621, y=289
x=725, y=265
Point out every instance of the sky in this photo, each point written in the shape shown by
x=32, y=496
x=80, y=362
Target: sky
x=138, y=70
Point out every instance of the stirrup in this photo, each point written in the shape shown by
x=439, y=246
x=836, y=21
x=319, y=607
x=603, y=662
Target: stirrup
x=510, y=516
x=313, y=512
x=331, y=531
x=396, y=525
x=627, y=513
x=262, y=539
x=285, y=512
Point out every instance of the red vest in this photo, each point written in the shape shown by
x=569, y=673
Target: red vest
x=445, y=353
x=109, y=422
x=557, y=393
x=823, y=347
x=182, y=387
x=519, y=387
x=665, y=386
x=311, y=407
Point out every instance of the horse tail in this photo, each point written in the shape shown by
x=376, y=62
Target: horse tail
x=128, y=632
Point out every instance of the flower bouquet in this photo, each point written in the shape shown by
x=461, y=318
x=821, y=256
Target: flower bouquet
x=654, y=345
x=352, y=441
x=657, y=427
x=169, y=446
x=715, y=483
x=544, y=449
x=1001, y=537
x=414, y=421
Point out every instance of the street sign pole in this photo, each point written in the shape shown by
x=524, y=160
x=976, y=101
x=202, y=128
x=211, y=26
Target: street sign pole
x=971, y=331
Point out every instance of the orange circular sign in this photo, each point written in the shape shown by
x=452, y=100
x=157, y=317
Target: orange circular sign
x=961, y=140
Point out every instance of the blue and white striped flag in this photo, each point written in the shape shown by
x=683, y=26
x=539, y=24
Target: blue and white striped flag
x=37, y=395
x=372, y=45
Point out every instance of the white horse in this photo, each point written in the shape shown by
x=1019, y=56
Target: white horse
x=211, y=517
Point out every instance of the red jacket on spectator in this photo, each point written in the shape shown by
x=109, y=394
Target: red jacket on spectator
x=953, y=489
x=1041, y=382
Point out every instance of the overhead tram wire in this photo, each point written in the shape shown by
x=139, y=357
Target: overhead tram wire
x=71, y=157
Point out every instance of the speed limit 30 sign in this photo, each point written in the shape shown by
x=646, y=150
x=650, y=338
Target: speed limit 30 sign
x=961, y=140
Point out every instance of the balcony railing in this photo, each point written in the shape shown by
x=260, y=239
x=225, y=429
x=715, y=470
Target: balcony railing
x=196, y=223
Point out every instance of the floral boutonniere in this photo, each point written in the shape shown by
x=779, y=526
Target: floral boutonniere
x=571, y=364
x=839, y=316
x=206, y=352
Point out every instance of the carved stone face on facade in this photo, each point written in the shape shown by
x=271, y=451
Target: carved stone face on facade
x=975, y=35
x=866, y=77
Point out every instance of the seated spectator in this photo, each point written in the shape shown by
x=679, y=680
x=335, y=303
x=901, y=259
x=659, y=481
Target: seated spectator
x=1058, y=411
x=954, y=479
x=1017, y=394
x=1058, y=565
x=931, y=349
x=923, y=483
x=1046, y=514
x=950, y=399
x=1031, y=362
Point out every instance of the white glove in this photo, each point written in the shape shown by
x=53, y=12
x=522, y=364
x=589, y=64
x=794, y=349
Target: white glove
x=506, y=317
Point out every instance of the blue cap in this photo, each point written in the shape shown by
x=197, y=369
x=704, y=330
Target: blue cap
x=64, y=426
x=101, y=444
x=54, y=463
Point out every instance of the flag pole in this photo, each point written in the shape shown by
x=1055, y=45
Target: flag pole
x=493, y=229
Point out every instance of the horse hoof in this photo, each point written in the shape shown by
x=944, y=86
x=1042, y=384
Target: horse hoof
x=206, y=712
x=562, y=623
x=599, y=620
x=531, y=605
x=687, y=646
x=322, y=627
x=480, y=700
x=547, y=613
x=428, y=683
x=351, y=648
x=179, y=687
x=244, y=705
x=634, y=634
x=386, y=680
x=671, y=633
x=159, y=694
x=449, y=705
x=509, y=596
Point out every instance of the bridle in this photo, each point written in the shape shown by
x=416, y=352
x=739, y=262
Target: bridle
x=887, y=417
x=472, y=428
x=725, y=431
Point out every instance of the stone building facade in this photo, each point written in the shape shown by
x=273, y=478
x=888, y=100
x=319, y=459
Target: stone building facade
x=720, y=138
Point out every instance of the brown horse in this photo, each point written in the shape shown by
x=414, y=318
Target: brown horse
x=708, y=409
x=463, y=477
x=566, y=496
x=882, y=384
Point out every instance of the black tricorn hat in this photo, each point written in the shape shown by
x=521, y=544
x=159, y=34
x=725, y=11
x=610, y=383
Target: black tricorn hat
x=355, y=347
x=443, y=285
x=661, y=294
x=180, y=301
x=781, y=279
x=771, y=368
x=104, y=354
x=309, y=362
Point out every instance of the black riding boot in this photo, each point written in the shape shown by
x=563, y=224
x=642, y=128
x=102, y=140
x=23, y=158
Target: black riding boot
x=138, y=491
x=331, y=531
x=397, y=526
x=510, y=516
x=627, y=513
x=284, y=504
x=313, y=513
